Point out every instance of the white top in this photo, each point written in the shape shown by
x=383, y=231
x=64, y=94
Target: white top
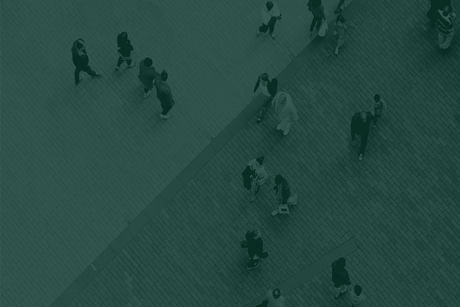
x=264, y=88
x=267, y=15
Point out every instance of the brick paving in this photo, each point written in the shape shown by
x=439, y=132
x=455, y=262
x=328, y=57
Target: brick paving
x=399, y=202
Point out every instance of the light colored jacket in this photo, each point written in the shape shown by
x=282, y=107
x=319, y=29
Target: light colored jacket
x=267, y=15
x=287, y=110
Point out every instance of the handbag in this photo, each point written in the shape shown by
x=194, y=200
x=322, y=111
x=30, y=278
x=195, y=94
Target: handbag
x=323, y=30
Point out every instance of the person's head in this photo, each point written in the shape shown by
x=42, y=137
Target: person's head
x=260, y=160
x=164, y=75
x=264, y=77
x=316, y=3
x=341, y=263
x=148, y=62
x=269, y=5
x=276, y=293
x=376, y=97
x=363, y=116
x=358, y=290
x=278, y=179
x=80, y=44
x=340, y=19
x=446, y=10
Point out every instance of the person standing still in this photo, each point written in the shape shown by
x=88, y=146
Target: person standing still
x=258, y=177
x=124, y=50
x=255, y=247
x=147, y=74
x=341, y=30
x=268, y=89
x=317, y=9
x=445, y=27
x=340, y=277
x=360, y=125
x=164, y=94
x=270, y=14
x=81, y=61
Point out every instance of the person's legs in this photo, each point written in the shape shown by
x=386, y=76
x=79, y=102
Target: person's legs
x=362, y=148
x=264, y=109
x=337, y=289
x=120, y=61
x=147, y=90
x=374, y=120
x=313, y=23
x=89, y=71
x=448, y=40
x=130, y=63
x=339, y=7
x=77, y=74
x=441, y=39
x=263, y=28
x=343, y=289
x=271, y=25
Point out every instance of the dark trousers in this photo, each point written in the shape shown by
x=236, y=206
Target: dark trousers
x=120, y=61
x=271, y=26
x=316, y=21
x=364, y=137
x=264, y=109
x=166, y=107
x=262, y=255
x=86, y=69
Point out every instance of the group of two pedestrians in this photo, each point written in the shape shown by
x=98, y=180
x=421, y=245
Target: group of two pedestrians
x=148, y=76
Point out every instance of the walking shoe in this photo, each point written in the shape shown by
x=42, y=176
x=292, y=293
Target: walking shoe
x=147, y=94
x=253, y=266
x=278, y=127
x=273, y=35
x=338, y=11
x=116, y=68
x=275, y=212
x=132, y=64
x=258, y=34
x=336, y=50
x=360, y=158
x=165, y=116
x=79, y=80
x=286, y=131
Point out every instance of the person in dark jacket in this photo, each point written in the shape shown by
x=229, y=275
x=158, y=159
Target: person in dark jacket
x=317, y=9
x=255, y=248
x=340, y=277
x=147, y=74
x=124, y=50
x=360, y=125
x=164, y=94
x=81, y=61
x=436, y=5
x=269, y=89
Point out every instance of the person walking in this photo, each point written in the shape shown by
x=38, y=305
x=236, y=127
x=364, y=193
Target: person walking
x=340, y=277
x=283, y=193
x=356, y=296
x=255, y=246
x=164, y=94
x=270, y=14
x=147, y=74
x=360, y=125
x=285, y=110
x=445, y=27
x=436, y=5
x=124, y=50
x=269, y=90
x=340, y=31
x=339, y=9
x=81, y=60
x=376, y=109
x=258, y=175
x=317, y=9
x=273, y=298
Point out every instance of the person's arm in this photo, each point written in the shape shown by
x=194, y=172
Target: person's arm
x=257, y=85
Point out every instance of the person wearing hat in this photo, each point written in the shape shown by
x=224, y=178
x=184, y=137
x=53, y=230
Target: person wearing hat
x=255, y=247
x=258, y=175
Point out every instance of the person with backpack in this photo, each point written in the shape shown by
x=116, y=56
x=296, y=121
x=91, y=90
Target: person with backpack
x=124, y=50
x=340, y=277
x=317, y=9
x=81, y=60
x=255, y=246
x=269, y=89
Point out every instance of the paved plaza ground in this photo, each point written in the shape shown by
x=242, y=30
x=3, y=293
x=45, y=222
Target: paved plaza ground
x=105, y=204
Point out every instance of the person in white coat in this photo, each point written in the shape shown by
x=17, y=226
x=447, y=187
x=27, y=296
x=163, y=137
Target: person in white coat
x=285, y=110
x=270, y=14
